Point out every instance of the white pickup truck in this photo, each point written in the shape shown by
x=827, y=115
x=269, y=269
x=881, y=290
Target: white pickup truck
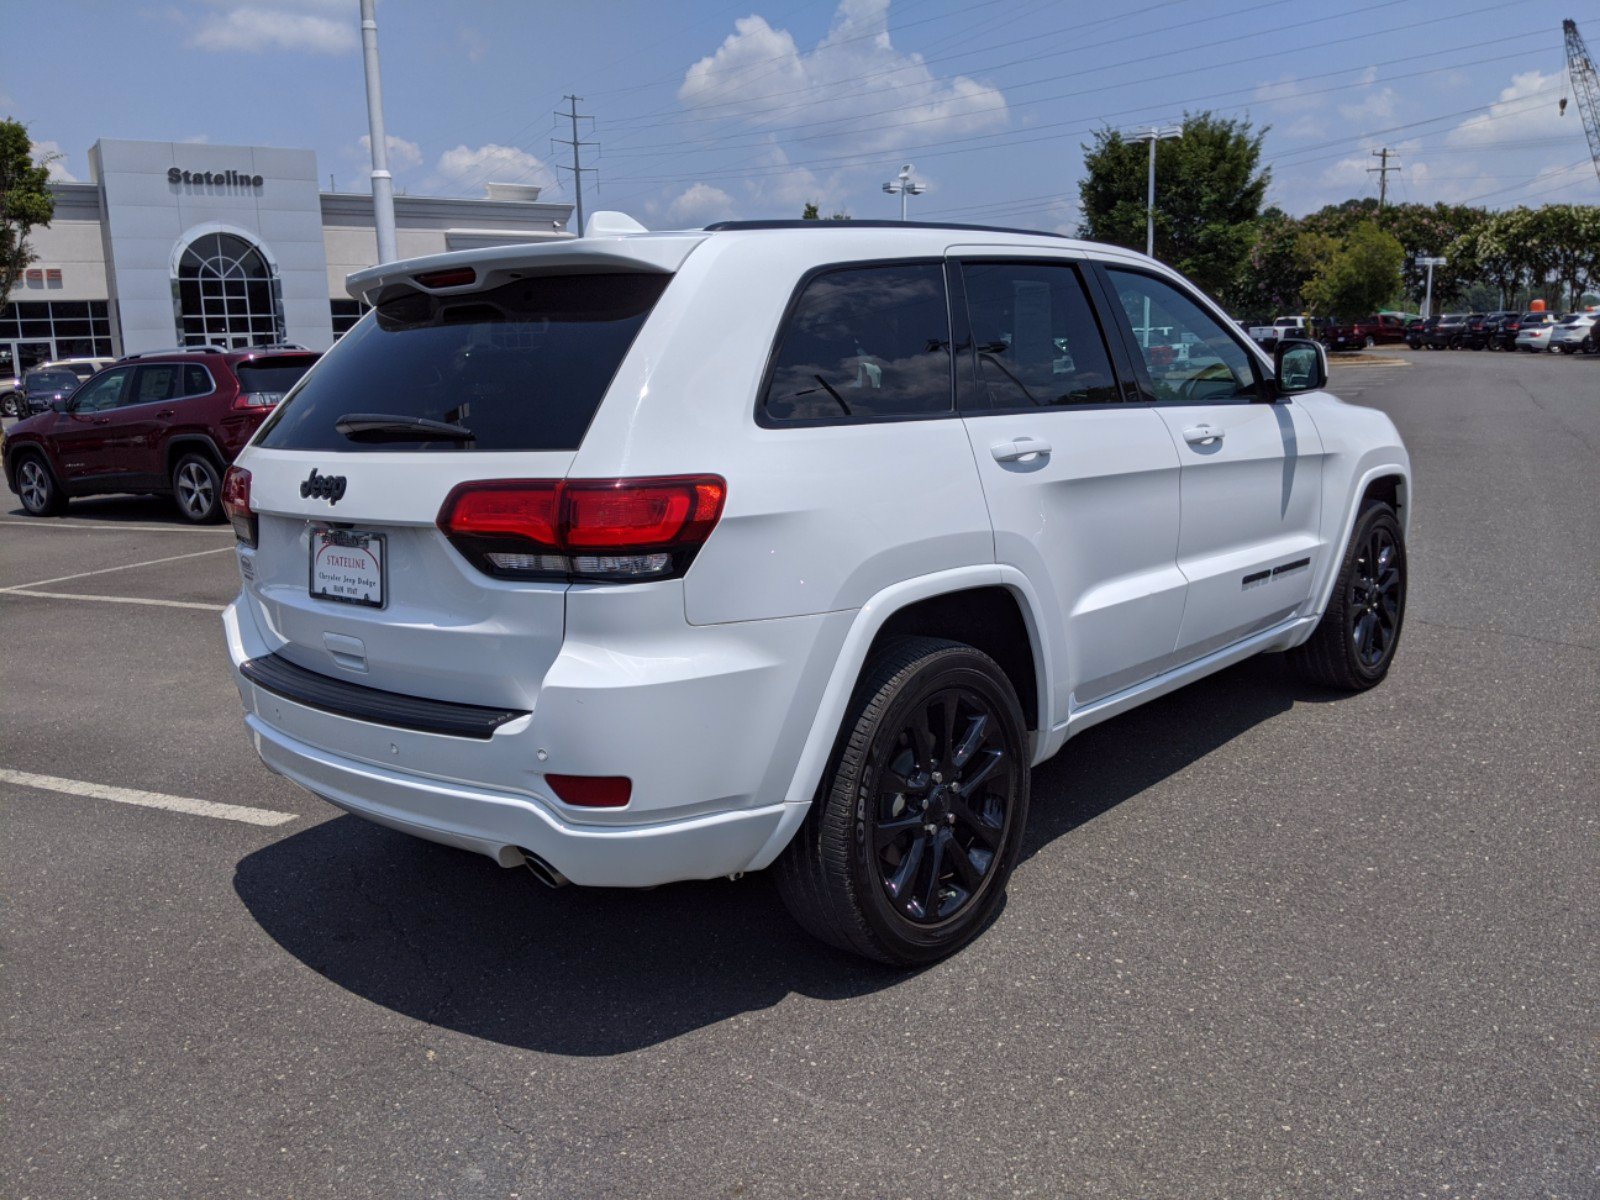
x=1268, y=335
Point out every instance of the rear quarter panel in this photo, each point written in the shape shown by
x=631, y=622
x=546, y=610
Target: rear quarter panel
x=818, y=518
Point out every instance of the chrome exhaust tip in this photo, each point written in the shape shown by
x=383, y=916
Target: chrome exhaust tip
x=541, y=870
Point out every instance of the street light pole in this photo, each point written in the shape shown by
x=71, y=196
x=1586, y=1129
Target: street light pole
x=902, y=186
x=1429, y=261
x=382, y=181
x=1153, y=135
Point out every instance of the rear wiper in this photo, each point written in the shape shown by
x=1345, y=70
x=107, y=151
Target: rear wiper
x=396, y=427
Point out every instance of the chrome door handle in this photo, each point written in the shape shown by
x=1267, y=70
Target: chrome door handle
x=1203, y=434
x=1018, y=448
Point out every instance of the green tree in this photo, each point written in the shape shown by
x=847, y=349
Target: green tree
x=1209, y=190
x=1353, y=275
x=25, y=203
x=813, y=213
x=1271, y=280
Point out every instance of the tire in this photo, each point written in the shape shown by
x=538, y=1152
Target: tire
x=1355, y=641
x=38, y=487
x=1455, y=343
x=862, y=874
x=1567, y=349
x=1370, y=342
x=12, y=404
x=197, y=488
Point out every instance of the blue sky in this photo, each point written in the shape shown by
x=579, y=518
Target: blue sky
x=706, y=110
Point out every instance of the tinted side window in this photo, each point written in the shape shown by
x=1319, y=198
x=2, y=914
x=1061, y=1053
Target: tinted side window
x=863, y=343
x=100, y=393
x=1190, y=357
x=1035, y=340
x=159, y=381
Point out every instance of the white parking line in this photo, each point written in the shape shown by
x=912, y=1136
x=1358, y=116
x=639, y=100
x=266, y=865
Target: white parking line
x=121, y=795
x=107, y=570
x=115, y=599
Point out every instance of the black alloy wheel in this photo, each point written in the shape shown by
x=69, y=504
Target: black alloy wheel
x=938, y=818
x=1354, y=643
x=905, y=854
x=1376, y=593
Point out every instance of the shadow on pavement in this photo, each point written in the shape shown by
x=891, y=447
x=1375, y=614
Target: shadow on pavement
x=118, y=509
x=449, y=938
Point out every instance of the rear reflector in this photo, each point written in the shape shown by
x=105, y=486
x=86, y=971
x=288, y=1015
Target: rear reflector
x=591, y=791
x=453, y=277
x=615, y=530
x=236, y=503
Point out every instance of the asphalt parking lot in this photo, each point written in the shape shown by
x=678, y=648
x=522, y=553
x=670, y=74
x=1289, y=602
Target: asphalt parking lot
x=1267, y=941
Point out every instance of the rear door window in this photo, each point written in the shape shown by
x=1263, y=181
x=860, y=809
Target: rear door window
x=1035, y=340
x=862, y=344
x=522, y=366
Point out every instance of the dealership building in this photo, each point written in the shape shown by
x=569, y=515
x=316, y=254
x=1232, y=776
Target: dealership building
x=182, y=244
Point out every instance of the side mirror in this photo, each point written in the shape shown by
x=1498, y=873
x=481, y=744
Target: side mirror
x=59, y=405
x=1301, y=366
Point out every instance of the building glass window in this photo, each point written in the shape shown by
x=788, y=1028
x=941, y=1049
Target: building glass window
x=345, y=315
x=227, y=294
x=35, y=331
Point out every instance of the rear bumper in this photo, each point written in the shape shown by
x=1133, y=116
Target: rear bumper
x=502, y=825
x=708, y=722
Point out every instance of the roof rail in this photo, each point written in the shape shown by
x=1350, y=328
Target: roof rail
x=874, y=223
x=207, y=349
x=277, y=346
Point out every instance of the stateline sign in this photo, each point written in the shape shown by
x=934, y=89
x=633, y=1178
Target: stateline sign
x=215, y=178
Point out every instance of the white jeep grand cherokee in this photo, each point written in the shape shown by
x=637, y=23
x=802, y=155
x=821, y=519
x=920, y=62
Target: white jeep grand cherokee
x=655, y=556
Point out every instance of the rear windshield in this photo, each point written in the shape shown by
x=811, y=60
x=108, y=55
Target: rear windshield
x=523, y=366
x=51, y=381
x=276, y=374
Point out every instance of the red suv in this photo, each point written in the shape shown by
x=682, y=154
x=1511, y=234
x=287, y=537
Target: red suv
x=166, y=422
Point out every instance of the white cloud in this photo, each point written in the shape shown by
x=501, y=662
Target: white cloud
x=1521, y=113
x=465, y=169
x=759, y=77
x=314, y=26
x=699, y=205
x=58, y=168
x=402, y=154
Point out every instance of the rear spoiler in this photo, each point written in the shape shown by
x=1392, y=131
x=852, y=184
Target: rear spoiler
x=465, y=271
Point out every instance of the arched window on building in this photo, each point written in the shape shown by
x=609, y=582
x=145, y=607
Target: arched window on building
x=227, y=294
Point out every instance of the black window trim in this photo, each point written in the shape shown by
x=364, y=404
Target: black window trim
x=1126, y=382
x=1119, y=319
x=766, y=422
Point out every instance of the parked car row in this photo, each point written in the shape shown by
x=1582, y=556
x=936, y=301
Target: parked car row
x=1568, y=333
x=164, y=422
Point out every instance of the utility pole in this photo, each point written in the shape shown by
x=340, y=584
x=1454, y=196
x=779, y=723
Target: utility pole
x=1382, y=172
x=382, y=181
x=577, y=167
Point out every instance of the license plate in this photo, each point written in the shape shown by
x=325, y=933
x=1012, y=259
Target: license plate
x=348, y=565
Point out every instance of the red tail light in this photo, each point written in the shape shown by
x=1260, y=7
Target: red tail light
x=591, y=791
x=615, y=530
x=236, y=503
